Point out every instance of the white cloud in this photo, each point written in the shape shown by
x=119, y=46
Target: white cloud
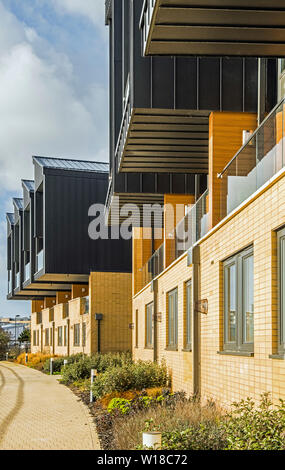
x=44, y=110
x=41, y=112
x=92, y=9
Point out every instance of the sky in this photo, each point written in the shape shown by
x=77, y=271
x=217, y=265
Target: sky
x=53, y=96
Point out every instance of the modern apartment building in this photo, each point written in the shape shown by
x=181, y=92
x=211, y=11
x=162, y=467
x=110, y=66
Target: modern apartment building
x=80, y=286
x=208, y=282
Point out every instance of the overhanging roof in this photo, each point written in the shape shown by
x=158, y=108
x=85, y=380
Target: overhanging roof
x=214, y=27
x=164, y=140
x=70, y=164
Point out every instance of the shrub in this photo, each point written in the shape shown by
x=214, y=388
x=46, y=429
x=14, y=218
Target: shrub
x=35, y=361
x=120, y=404
x=57, y=365
x=136, y=376
x=256, y=428
x=208, y=435
x=184, y=424
x=79, y=366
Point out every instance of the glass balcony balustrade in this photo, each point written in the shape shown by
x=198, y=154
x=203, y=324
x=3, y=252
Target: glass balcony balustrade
x=154, y=266
x=190, y=229
x=27, y=271
x=262, y=157
x=17, y=283
x=40, y=260
x=9, y=281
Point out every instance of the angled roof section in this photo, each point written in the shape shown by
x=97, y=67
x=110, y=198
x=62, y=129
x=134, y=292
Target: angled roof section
x=10, y=218
x=69, y=164
x=18, y=203
x=29, y=184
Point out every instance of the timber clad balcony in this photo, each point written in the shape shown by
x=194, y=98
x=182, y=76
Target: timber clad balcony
x=214, y=27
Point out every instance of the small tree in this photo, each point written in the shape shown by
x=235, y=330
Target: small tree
x=4, y=341
x=25, y=336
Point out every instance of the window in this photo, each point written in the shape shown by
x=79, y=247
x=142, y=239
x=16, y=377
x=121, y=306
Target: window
x=239, y=302
x=34, y=338
x=76, y=339
x=38, y=338
x=65, y=335
x=51, y=337
x=46, y=337
x=59, y=336
x=173, y=319
x=149, y=326
x=83, y=334
x=137, y=329
x=188, y=316
x=281, y=289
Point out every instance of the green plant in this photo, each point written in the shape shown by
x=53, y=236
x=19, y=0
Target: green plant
x=25, y=336
x=208, y=435
x=249, y=427
x=79, y=366
x=136, y=376
x=4, y=342
x=56, y=366
x=120, y=404
x=184, y=424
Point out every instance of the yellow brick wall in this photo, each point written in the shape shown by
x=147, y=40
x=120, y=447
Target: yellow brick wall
x=178, y=362
x=111, y=295
x=76, y=317
x=227, y=378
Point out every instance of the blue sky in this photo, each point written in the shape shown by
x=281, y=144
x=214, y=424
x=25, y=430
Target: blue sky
x=53, y=95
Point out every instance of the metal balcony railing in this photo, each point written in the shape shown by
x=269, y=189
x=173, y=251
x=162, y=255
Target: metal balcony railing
x=145, y=20
x=127, y=115
x=255, y=163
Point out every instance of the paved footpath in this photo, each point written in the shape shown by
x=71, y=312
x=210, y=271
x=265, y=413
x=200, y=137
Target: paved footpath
x=37, y=413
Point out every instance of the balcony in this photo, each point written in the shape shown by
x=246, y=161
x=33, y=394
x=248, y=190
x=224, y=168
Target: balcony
x=213, y=27
x=262, y=157
x=188, y=231
x=40, y=261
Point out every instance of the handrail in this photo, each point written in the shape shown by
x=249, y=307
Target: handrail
x=220, y=175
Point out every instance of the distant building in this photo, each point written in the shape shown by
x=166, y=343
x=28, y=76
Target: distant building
x=15, y=328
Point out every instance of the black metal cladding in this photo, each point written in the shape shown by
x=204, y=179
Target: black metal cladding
x=28, y=230
x=197, y=84
x=62, y=221
x=124, y=51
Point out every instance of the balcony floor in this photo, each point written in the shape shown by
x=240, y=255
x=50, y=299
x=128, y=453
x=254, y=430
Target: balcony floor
x=219, y=28
x=163, y=141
